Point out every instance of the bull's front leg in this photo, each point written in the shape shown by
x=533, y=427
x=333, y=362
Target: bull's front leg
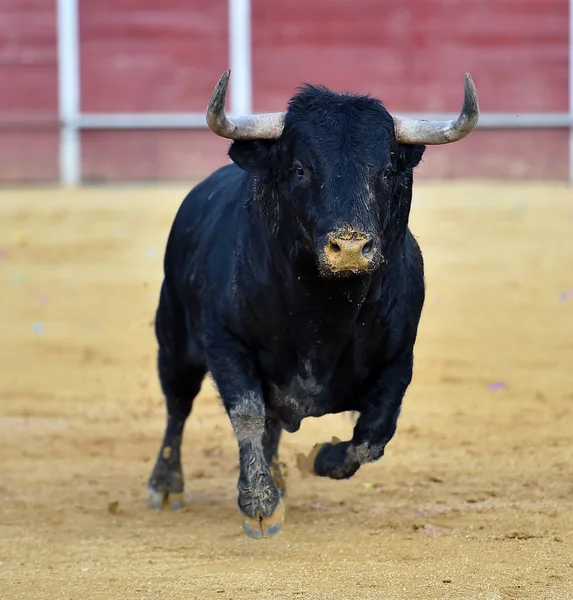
x=259, y=499
x=373, y=430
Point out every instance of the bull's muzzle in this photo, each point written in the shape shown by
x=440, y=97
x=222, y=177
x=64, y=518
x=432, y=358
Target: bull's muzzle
x=349, y=252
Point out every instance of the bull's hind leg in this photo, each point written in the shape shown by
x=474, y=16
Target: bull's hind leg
x=180, y=383
x=271, y=439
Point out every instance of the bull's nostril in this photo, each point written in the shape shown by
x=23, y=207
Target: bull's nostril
x=334, y=247
x=367, y=250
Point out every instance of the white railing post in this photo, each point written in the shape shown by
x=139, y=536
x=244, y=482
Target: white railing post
x=240, y=56
x=570, y=92
x=69, y=91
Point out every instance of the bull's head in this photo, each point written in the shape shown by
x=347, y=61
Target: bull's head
x=338, y=167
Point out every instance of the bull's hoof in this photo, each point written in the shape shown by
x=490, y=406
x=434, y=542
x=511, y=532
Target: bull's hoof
x=159, y=500
x=165, y=485
x=305, y=463
x=265, y=527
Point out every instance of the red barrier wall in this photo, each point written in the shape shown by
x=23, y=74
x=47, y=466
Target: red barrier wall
x=28, y=91
x=144, y=56
x=148, y=56
x=413, y=55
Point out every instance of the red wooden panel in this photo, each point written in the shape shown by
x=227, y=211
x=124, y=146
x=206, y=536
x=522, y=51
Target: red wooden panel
x=151, y=155
x=517, y=52
x=29, y=156
x=28, y=90
x=355, y=46
x=413, y=54
x=504, y=154
x=28, y=59
x=149, y=56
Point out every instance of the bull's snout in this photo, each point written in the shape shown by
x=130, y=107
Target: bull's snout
x=349, y=252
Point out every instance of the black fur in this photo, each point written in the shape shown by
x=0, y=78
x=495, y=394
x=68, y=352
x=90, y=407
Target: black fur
x=247, y=295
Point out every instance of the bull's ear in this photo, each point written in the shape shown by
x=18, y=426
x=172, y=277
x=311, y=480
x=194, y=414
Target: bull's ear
x=412, y=155
x=251, y=155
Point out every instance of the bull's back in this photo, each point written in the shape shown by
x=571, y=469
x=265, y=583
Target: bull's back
x=205, y=226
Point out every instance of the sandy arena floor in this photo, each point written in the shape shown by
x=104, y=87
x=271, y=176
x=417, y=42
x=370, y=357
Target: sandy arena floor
x=473, y=500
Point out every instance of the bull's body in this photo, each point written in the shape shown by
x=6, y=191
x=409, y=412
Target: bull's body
x=293, y=278
x=318, y=345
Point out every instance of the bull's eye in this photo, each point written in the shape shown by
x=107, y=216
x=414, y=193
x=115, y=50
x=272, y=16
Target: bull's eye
x=298, y=169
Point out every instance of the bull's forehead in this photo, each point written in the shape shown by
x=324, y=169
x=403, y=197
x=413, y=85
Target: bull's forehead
x=339, y=127
x=341, y=155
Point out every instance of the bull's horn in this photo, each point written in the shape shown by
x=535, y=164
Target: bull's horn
x=415, y=131
x=249, y=127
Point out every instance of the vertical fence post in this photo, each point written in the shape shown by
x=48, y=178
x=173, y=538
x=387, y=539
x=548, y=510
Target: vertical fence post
x=240, y=56
x=570, y=92
x=69, y=91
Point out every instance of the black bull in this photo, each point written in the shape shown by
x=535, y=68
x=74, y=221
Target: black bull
x=293, y=278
